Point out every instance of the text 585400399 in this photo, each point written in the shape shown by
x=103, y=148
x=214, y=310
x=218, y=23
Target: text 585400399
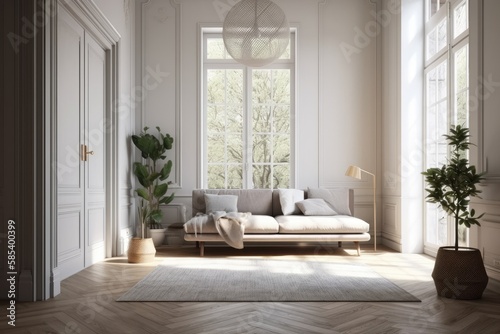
x=11, y=273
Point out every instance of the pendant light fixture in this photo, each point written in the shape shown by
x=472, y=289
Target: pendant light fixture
x=256, y=32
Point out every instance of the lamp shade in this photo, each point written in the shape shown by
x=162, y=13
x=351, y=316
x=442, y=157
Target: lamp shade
x=353, y=171
x=256, y=32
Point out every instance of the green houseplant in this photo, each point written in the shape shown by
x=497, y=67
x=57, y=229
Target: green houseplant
x=459, y=271
x=152, y=174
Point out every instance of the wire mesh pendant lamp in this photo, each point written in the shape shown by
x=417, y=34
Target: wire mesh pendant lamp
x=256, y=32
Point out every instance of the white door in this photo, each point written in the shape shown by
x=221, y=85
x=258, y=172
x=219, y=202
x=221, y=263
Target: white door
x=95, y=166
x=81, y=101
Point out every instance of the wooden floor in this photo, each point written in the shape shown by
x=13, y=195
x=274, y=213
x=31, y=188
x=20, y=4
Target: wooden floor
x=87, y=302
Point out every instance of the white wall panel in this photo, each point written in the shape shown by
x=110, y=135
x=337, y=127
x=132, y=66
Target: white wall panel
x=485, y=122
x=347, y=90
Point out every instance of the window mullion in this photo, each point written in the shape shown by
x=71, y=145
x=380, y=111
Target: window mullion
x=248, y=133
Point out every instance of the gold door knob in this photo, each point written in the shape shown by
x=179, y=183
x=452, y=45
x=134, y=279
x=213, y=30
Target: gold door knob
x=84, y=152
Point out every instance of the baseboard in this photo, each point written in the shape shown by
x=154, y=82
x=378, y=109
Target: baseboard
x=493, y=273
x=55, y=283
x=392, y=244
x=26, y=286
x=124, y=240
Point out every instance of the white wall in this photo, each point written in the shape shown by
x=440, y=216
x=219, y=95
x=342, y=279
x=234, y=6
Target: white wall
x=399, y=163
x=402, y=112
x=120, y=13
x=485, y=122
x=337, y=74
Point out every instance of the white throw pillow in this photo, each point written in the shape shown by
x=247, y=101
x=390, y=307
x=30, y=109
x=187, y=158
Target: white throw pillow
x=315, y=207
x=337, y=198
x=288, y=198
x=228, y=203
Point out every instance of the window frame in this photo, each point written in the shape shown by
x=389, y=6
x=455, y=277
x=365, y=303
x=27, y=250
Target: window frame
x=209, y=64
x=447, y=55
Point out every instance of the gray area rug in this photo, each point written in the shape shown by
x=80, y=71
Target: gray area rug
x=264, y=280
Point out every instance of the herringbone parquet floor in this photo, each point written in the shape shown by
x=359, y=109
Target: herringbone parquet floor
x=87, y=302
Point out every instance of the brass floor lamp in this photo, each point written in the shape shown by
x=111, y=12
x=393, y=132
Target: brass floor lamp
x=355, y=171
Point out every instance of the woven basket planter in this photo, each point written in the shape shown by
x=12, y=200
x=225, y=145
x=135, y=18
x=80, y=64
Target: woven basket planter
x=141, y=250
x=459, y=274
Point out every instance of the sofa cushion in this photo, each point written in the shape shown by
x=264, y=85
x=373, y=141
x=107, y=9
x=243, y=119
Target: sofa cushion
x=337, y=198
x=288, y=200
x=261, y=224
x=315, y=207
x=321, y=224
x=226, y=203
x=255, y=224
x=256, y=201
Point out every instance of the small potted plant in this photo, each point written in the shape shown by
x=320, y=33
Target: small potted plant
x=152, y=176
x=458, y=271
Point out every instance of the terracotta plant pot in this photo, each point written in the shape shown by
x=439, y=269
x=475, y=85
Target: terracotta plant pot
x=141, y=250
x=459, y=274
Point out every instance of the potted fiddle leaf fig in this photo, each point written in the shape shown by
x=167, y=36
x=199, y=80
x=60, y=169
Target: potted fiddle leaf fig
x=152, y=174
x=458, y=271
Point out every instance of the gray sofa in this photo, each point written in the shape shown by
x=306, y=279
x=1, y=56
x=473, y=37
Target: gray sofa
x=268, y=224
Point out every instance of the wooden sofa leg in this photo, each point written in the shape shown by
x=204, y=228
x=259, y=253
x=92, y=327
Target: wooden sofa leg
x=202, y=248
x=197, y=244
x=340, y=244
x=356, y=243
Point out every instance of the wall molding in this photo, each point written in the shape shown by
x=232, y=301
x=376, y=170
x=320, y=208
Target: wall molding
x=141, y=48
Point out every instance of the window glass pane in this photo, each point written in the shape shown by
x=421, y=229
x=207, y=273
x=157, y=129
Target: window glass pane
x=235, y=177
x=436, y=39
x=431, y=42
x=234, y=148
x=262, y=121
x=431, y=87
x=261, y=148
x=216, y=118
x=281, y=177
x=262, y=176
x=281, y=148
x=281, y=122
x=216, y=148
x=441, y=81
x=215, y=48
x=234, y=84
x=461, y=69
x=234, y=118
x=216, y=85
x=461, y=86
x=216, y=177
x=442, y=32
x=261, y=86
x=460, y=19
x=281, y=86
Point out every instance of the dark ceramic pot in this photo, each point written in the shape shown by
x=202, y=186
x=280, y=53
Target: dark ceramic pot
x=459, y=274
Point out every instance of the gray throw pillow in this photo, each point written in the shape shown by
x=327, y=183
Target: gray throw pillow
x=337, y=198
x=228, y=203
x=315, y=207
x=288, y=199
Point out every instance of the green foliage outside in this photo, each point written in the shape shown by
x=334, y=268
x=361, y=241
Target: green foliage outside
x=267, y=151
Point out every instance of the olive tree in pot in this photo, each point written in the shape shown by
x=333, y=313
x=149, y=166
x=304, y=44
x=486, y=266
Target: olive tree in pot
x=152, y=176
x=459, y=271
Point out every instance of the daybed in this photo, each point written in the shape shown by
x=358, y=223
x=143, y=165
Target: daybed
x=267, y=223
